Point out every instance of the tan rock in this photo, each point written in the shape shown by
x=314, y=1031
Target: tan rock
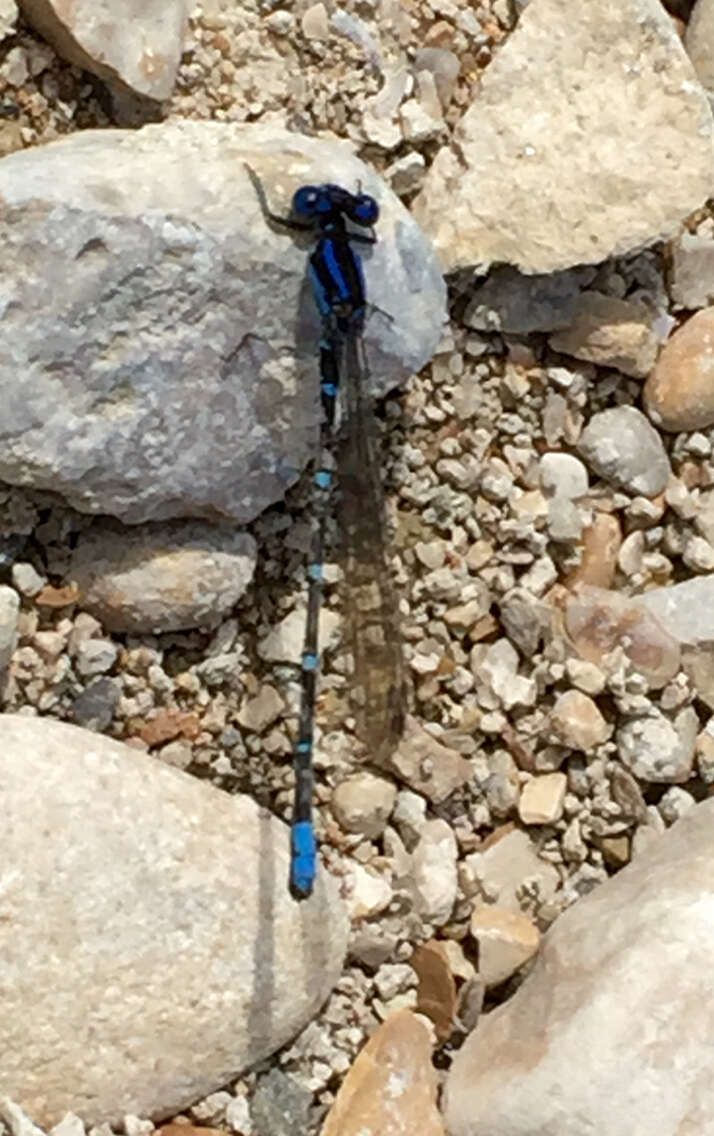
x=598, y=621
x=577, y=722
x=610, y=332
x=679, y=394
x=436, y=992
x=541, y=800
x=601, y=544
x=544, y=191
x=391, y=1087
x=506, y=940
x=426, y=765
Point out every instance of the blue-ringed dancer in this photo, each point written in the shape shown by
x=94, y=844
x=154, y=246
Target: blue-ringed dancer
x=337, y=279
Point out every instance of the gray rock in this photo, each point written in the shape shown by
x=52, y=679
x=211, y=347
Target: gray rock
x=603, y=966
x=161, y=577
x=610, y=332
x=543, y=191
x=624, y=448
x=685, y=610
x=562, y=475
x=434, y=872
x=94, y=707
x=280, y=1105
x=657, y=748
x=135, y=901
x=691, y=283
x=519, y=305
x=162, y=334
x=9, y=615
x=93, y=34
x=362, y=803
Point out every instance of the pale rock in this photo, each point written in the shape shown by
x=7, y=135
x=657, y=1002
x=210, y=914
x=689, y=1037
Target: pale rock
x=657, y=748
x=698, y=554
x=369, y=893
x=409, y=816
x=9, y=618
x=418, y=126
x=8, y=16
x=525, y=619
x=238, y=1115
x=259, y=712
x=499, y=673
x=691, y=282
x=142, y=55
x=565, y=521
x=506, y=940
x=110, y=853
x=541, y=800
x=562, y=475
x=621, y=446
x=284, y=643
x=611, y=333
x=576, y=721
x=179, y=418
x=314, y=22
x=26, y=579
x=566, y=1037
x=510, y=869
x=585, y=676
x=71, y=1125
x=541, y=575
x=96, y=656
x=426, y=765
x=543, y=190
x=685, y=610
x=599, y=621
x=434, y=876
x=163, y=576
x=444, y=65
x=392, y=1086
x=674, y=803
x=363, y=802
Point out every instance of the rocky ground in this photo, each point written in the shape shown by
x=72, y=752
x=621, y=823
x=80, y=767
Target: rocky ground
x=550, y=489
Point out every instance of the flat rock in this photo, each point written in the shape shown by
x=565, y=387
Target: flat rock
x=685, y=610
x=506, y=940
x=142, y=908
x=140, y=50
x=391, y=1087
x=161, y=577
x=611, y=333
x=617, y=104
x=679, y=394
x=160, y=337
x=566, y=1037
x=511, y=302
x=426, y=764
x=658, y=748
x=597, y=621
x=691, y=277
x=621, y=446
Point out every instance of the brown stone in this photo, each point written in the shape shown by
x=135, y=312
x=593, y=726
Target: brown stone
x=601, y=544
x=50, y=596
x=169, y=724
x=679, y=394
x=436, y=992
x=391, y=1088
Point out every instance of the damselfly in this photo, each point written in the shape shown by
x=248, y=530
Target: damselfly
x=337, y=279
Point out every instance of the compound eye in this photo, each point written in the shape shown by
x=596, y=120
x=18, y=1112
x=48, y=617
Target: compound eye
x=307, y=201
x=365, y=210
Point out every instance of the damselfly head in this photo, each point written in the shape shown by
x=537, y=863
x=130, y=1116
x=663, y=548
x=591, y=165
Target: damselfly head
x=315, y=202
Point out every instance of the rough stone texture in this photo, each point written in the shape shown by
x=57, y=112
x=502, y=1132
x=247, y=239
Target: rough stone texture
x=601, y=544
x=426, y=765
x=611, y=333
x=576, y=721
x=541, y=800
x=391, y=1087
x=9, y=613
x=621, y=990
x=621, y=445
x=506, y=940
x=8, y=16
x=691, y=283
x=504, y=868
x=657, y=748
x=598, y=621
x=685, y=610
x=699, y=42
x=137, y=44
x=161, y=577
x=679, y=394
x=160, y=337
x=150, y=946
x=615, y=154
x=519, y=305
